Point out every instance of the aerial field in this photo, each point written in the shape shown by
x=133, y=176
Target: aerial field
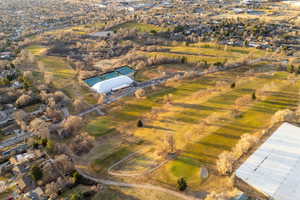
x=198, y=145
x=207, y=52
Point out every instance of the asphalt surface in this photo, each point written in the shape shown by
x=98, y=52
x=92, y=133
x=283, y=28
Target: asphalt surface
x=14, y=140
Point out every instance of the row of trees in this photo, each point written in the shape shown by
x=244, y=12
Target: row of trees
x=227, y=159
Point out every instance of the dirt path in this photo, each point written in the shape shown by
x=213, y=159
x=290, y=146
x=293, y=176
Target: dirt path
x=110, y=170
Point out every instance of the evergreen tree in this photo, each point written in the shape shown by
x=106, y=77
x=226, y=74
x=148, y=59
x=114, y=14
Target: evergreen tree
x=253, y=96
x=181, y=184
x=232, y=85
x=140, y=123
x=290, y=68
x=36, y=172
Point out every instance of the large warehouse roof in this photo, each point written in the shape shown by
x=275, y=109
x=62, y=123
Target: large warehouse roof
x=274, y=168
x=112, y=84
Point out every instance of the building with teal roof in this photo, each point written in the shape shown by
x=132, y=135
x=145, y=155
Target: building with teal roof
x=121, y=71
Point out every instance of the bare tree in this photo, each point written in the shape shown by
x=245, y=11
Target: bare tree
x=48, y=78
x=139, y=93
x=101, y=99
x=20, y=117
x=39, y=127
x=23, y=100
x=171, y=143
x=244, y=144
x=78, y=104
x=225, y=163
x=52, y=190
x=72, y=123
x=64, y=163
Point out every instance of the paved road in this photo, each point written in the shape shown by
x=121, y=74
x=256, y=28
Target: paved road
x=14, y=140
x=91, y=109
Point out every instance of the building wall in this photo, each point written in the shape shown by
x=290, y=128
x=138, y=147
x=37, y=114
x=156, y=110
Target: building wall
x=248, y=190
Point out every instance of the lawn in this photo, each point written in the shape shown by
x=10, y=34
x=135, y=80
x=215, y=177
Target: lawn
x=140, y=27
x=58, y=66
x=124, y=117
x=209, y=52
x=101, y=164
x=152, y=72
x=198, y=147
x=205, y=151
x=64, y=78
x=37, y=50
x=100, y=126
x=130, y=109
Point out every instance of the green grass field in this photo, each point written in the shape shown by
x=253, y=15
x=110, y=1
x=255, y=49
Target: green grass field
x=205, y=151
x=209, y=52
x=37, y=50
x=64, y=77
x=140, y=27
x=199, y=147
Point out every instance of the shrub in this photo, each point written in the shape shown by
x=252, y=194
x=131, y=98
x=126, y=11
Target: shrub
x=72, y=123
x=23, y=100
x=232, y=85
x=283, y=115
x=225, y=163
x=76, y=177
x=50, y=146
x=139, y=93
x=154, y=32
x=181, y=184
x=253, y=96
x=140, y=123
x=36, y=172
x=245, y=143
x=242, y=101
x=76, y=196
x=290, y=68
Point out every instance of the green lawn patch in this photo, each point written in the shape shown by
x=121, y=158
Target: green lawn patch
x=37, y=50
x=100, y=126
x=104, y=163
x=139, y=26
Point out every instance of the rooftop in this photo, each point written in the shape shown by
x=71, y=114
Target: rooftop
x=112, y=84
x=274, y=168
x=125, y=70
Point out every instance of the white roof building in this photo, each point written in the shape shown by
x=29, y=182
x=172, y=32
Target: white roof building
x=112, y=84
x=274, y=168
x=102, y=34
